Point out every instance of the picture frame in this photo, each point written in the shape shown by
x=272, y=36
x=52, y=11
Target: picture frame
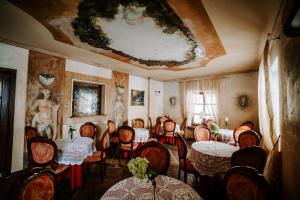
x=137, y=97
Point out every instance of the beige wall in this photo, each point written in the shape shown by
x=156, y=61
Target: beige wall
x=17, y=58
x=231, y=87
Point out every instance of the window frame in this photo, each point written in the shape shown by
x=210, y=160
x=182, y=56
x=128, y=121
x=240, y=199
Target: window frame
x=204, y=108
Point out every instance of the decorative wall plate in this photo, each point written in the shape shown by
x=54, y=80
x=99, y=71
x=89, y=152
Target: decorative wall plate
x=46, y=79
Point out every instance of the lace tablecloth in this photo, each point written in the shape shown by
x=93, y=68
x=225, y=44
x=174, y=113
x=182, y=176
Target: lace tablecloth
x=166, y=188
x=211, y=157
x=73, y=152
x=141, y=135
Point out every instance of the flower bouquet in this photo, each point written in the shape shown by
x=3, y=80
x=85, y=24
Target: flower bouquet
x=138, y=167
x=214, y=128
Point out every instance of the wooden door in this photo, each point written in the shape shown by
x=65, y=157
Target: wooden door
x=7, y=99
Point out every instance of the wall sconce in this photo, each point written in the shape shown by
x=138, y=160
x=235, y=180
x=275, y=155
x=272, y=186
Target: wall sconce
x=157, y=92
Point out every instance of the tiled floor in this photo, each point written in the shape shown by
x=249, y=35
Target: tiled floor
x=93, y=188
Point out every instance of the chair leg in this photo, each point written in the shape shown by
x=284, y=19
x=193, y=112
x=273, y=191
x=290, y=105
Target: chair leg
x=179, y=173
x=185, y=176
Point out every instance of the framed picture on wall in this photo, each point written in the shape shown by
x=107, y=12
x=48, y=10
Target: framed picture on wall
x=137, y=97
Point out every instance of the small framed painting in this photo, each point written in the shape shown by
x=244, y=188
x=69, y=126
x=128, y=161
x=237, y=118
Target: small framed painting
x=137, y=97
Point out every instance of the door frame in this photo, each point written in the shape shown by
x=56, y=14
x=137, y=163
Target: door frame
x=11, y=108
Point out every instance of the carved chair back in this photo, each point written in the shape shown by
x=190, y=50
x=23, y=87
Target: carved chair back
x=37, y=184
x=157, y=155
x=245, y=183
x=126, y=135
x=253, y=156
x=201, y=133
x=237, y=132
x=138, y=123
x=30, y=132
x=42, y=152
x=169, y=128
x=248, y=138
x=182, y=148
x=88, y=130
x=250, y=124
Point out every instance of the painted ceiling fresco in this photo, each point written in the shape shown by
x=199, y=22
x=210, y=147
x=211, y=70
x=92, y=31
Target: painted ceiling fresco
x=146, y=33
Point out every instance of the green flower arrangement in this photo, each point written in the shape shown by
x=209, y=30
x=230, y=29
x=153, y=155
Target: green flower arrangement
x=214, y=128
x=138, y=167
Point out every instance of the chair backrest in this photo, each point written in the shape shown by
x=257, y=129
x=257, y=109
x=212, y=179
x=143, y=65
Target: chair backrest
x=237, y=132
x=138, y=123
x=38, y=184
x=88, y=130
x=248, y=138
x=169, y=127
x=202, y=133
x=111, y=126
x=42, y=152
x=163, y=119
x=181, y=147
x=250, y=156
x=245, y=183
x=208, y=122
x=150, y=123
x=126, y=135
x=104, y=143
x=183, y=124
x=30, y=132
x=250, y=124
x=157, y=155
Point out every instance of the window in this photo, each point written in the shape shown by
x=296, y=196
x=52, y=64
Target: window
x=203, y=106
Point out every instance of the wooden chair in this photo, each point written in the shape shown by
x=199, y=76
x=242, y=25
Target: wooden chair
x=248, y=138
x=183, y=127
x=151, y=129
x=253, y=156
x=100, y=155
x=112, y=131
x=138, y=123
x=245, y=183
x=42, y=152
x=126, y=137
x=184, y=164
x=30, y=132
x=37, y=184
x=202, y=133
x=88, y=130
x=237, y=132
x=169, y=130
x=157, y=155
x=250, y=124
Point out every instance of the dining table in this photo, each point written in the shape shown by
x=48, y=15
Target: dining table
x=141, y=135
x=166, y=188
x=211, y=157
x=73, y=152
x=226, y=135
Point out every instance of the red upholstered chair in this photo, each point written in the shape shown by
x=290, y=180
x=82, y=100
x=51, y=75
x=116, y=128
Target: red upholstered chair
x=250, y=124
x=169, y=130
x=138, y=123
x=248, y=138
x=37, y=184
x=100, y=155
x=126, y=137
x=184, y=163
x=202, y=133
x=30, y=132
x=245, y=183
x=88, y=130
x=237, y=132
x=42, y=153
x=157, y=155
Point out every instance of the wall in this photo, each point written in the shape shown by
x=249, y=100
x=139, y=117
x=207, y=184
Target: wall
x=156, y=107
x=173, y=89
x=138, y=83
x=233, y=86
x=17, y=58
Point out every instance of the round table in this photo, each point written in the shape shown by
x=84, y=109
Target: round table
x=211, y=157
x=141, y=135
x=166, y=188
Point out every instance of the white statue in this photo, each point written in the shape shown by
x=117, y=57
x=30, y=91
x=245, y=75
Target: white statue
x=119, y=111
x=45, y=115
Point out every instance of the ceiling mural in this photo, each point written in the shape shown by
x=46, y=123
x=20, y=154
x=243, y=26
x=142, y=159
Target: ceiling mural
x=147, y=33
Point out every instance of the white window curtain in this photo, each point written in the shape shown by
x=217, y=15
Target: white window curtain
x=211, y=89
x=268, y=100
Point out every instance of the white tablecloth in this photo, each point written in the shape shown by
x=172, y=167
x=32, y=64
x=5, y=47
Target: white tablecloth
x=166, y=188
x=141, y=135
x=211, y=157
x=73, y=152
x=227, y=135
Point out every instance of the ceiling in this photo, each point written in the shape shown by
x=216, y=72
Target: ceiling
x=228, y=34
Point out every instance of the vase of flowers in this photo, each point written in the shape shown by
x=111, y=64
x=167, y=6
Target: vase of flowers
x=139, y=169
x=226, y=121
x=214, y=129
